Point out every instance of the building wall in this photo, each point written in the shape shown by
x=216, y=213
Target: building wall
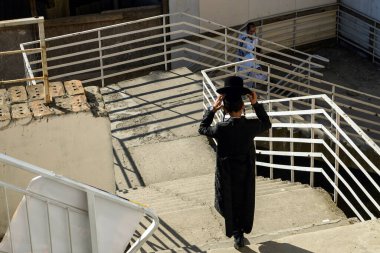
x=232, y=13
x=368, y=7
x=77, y=146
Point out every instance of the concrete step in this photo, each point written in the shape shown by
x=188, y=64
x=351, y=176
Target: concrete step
x=188, y=218
x=150, y=115
x=252, y=240
x=358, y=237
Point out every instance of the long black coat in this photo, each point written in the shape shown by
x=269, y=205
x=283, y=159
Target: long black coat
x=235, y=174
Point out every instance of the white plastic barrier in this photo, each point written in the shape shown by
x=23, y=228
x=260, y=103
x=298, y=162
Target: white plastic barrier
x=54, y=217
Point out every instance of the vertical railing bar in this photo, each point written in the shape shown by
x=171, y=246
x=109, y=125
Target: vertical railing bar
x=101, y=56
x=69, y=229
x=308, y=74
x=270, y=146
x=291, y=143
x=373, y=41
x=268, y=82
x=92, y=220
x=9, y=219
x=294, y=30
x=49, y=226
x=41, y=32
x=333, y=89
x=254, y=142
x=27, y=218
x=271, y=129
x=336, y=179
x=337, y=24
x=225, y=45
x=165, y=47
x=312, y=143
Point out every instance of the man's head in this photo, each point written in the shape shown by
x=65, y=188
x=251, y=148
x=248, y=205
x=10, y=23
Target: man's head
x=233, y=103
x=251, y=28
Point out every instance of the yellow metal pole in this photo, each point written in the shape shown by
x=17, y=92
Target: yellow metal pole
x=41, y=32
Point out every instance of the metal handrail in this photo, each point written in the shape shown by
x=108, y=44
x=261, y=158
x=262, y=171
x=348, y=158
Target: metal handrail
x=163, y=27
x=373, y=108
x=350, y=21
x=209, y=93
x=83, y=187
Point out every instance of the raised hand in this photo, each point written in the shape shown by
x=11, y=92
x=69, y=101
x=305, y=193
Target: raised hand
x=252, y=98
x=218, y=103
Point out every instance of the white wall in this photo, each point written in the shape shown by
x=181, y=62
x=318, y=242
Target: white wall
x=236, y=12
x=368, y=7
x=76, y=145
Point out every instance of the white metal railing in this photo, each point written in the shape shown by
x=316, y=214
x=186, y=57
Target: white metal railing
x=359, y=30
x=115, y=55
x=328, y=142
x=59, y=212
x=358, y=107
x=98, y=55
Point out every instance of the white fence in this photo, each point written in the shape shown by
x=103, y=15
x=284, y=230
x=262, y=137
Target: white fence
x=328, y=142
x=57, y=214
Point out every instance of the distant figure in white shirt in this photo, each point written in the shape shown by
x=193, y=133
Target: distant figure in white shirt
x=249, y=45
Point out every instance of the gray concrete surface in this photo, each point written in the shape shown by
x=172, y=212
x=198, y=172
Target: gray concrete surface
x=154, y=124
x=77, y=146
x=358, y=238
x=190, y=223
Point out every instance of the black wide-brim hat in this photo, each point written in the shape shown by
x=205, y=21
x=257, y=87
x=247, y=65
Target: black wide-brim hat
x=233, y=84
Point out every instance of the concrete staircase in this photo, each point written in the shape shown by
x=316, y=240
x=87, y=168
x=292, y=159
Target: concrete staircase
x=161, y=161
x=189, y=222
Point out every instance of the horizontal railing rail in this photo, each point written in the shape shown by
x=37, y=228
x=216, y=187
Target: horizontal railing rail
x=10, y=189
x=66, y=60
x=328, y=142
x=365, y=113
x=359, y=30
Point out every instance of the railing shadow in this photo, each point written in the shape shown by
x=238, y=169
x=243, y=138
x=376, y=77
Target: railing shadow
x=173, y=240
x=271, y=247
x=154, y=111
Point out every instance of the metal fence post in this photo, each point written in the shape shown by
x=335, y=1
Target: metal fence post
x=270, y=146
x=337, y=20
x=41, y=31
x=268, y=82
x=101, y=57
x=92, y=222
x=336, y=179
x=312, y=136
x=294, y=30
x=165, y=48
x=291, y=142
x=9, y=219
x=372, y=41
x=225, y=45
x=308, y=76
x=332, y=111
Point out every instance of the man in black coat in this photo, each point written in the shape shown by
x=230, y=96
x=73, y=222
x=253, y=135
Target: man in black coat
x=235, y=174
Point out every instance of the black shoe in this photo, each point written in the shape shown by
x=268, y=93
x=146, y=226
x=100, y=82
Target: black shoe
x=239, y=242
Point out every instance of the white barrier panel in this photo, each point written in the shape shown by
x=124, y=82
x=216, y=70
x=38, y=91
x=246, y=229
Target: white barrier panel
x=54, y=218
